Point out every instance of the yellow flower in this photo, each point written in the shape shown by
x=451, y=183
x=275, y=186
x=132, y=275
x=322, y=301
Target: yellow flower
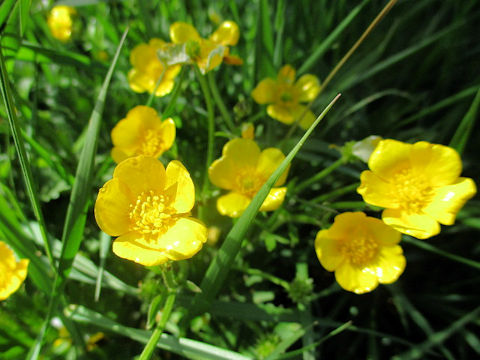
x=148, y=208
x=60, y=22
x=419, y=185
x=12, y=273
x=362, y=251
x=284, y=95
x=208, y=53
x=147, y=69
x=243, y=169
x=142, y=132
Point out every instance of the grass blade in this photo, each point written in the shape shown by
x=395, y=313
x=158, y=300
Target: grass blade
x=461, y=136
x=5, y=10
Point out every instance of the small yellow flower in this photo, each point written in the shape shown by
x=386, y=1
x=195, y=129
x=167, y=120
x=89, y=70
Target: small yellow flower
x=362, y=251
x=248, y=131
x=418, y=184
x=243, y=169
x=208, y=53
x=148, y=208
x=147, y=69
x=284, y=95
x=142, y=132
x=12, y=273
x=60, y=22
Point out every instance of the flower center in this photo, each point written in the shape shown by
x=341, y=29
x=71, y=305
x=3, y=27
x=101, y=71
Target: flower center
x=285, y=97
x=248, y=182
x=413, y=192
x=152, y=144
x=360, y=249
x=151, y=214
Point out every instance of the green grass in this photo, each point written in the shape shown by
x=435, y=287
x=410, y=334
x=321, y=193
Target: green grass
x=414, y=77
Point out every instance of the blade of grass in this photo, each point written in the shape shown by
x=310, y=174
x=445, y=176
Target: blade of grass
x=105, y=241
x=22, y=156
x=24, y=14
x=5, y=10
x=461, y=136
x=221, y=263
x=279, y=26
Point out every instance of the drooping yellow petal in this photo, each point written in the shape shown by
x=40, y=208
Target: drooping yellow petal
x=181, y=32
x=179, y=184
x=286, y=74
x=376, y=191
x=327, y=251
x=184, y=239
x=269, y=161
x=389, y=264
x=274, y=199
x=232, y=204
x=141, y=174
x=132, y=246
x=421, y=226
x=265, y=91
x=281, y=113
x=388, y=157
x=440, y=163
x=355, y=279
x=227, y=33
x=167, y=132
x=112, y=208
x=450, y=199
x=308, y=87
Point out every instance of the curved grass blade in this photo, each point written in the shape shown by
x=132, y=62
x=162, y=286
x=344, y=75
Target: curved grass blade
x=220, y=266
x=461, y=136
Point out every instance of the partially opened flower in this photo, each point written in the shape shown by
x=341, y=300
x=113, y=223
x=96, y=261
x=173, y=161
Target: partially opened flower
x=208, y=53
x=285, y=95
x=418, y=184
x=12, y=273
x=362, y=251
x=60, y=22
x=148, y=69
x=148, y=208
x=142, y=132
x=242, y=170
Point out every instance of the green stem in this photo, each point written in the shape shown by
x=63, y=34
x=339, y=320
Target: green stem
x=176, y=92
x=159, y=81
x=316, y=178
x=211, y=135
x=157, y=333
x=336, y=193
x=220, y=104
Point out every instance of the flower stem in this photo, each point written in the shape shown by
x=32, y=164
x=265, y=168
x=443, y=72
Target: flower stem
x=336, y=193
x=211, y=135
x=316, y=178
x=220, y=104
x=176, y=92
x=159, y=81
x=157, y=333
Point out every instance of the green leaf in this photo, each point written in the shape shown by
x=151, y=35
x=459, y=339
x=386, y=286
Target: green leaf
x=461, y=136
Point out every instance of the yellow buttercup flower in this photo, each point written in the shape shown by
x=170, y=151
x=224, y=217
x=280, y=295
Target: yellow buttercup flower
x=362, y=251
x=147, y=69
x=243, y=169
x=142, y=132
x=148, y=208
x=418, y=184
x=12, y=273
x=208, y=53
x=60, y=22
x=284, y=95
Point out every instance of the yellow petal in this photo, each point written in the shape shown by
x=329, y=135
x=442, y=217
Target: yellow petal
x=389, y=156
x=382, y=233
x=119, y=155
x=237, y=154
x=141, y=173
x=142, y=55
x=376, y=191
x=232, y=204
x=307, y=117
x=286, y=74
x=181, y=32
x=233, y=60
x=112, y=208
x=346, y=224
x=450, y=199
x=274, y=199
x=440, y=163
x=269, y=161
x=327, y=251
x=226, y=34
x=184, y=239
x=139, y=82
x=127, y=134
x=265, y=91
x=133, y=247
x=308, y=87
x=13, y=272
x=179, y=185
x=168, y=83
x=389, y=264
x=420, y=226
x=211, y=55
x=281, y=113
x=355, y=279
x=167, y=133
